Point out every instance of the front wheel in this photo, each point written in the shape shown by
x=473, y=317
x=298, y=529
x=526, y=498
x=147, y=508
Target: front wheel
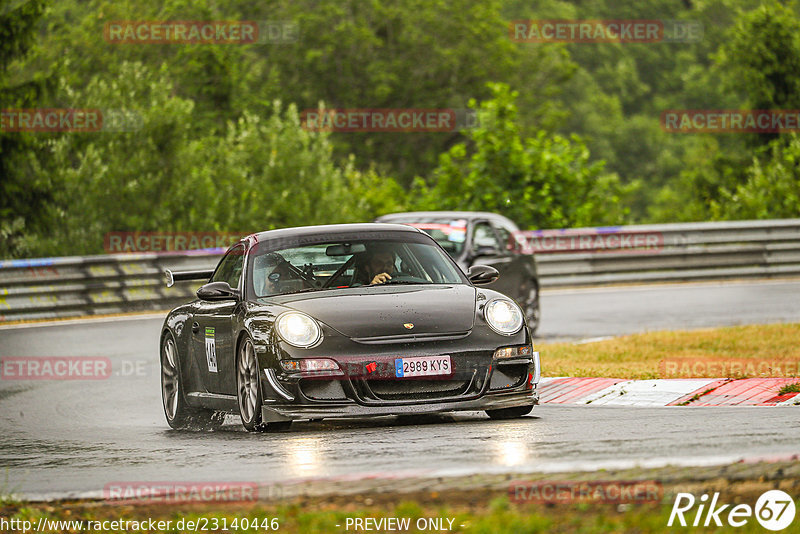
x=178, y=413
x=248, y=388
x=509, y=413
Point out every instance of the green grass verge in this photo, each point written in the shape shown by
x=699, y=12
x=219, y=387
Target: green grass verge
x=737, y=352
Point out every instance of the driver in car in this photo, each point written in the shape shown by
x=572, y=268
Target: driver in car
x=272, y=268
x=379, y=265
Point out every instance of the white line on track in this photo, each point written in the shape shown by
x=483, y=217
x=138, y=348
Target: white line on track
x=666, y=285
x=85, y=320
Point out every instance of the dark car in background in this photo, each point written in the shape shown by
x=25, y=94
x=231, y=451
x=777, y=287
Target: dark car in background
x=483, y=238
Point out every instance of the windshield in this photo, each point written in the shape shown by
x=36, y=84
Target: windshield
x=346, y=263
x=451, y=234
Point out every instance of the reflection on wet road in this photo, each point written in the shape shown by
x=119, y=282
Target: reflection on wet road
x=70, y=437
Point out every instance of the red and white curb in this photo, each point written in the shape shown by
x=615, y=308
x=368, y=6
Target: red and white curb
x=667, y=392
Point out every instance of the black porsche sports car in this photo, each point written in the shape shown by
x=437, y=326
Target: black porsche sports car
x=343, y=321
x=483, y=238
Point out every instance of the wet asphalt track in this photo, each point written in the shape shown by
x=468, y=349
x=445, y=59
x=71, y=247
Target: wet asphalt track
x=61, y=438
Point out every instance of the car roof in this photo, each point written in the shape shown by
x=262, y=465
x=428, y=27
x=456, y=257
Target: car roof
x=470, y=215
x=323, y=229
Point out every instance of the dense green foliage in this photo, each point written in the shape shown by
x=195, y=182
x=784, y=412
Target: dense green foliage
x=23, y=188
x=569, y=133
x=544, y=181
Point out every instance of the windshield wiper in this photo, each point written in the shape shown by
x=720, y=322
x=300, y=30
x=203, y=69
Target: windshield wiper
x=398, y=282
x=304, y=290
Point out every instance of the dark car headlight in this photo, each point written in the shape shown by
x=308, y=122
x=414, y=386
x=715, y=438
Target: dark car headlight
x=298, y=329
x=503, y=316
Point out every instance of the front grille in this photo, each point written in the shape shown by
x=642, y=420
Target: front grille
x=416, y=389
x=469, y=379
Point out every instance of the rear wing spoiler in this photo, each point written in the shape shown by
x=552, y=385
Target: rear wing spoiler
x=186, y=275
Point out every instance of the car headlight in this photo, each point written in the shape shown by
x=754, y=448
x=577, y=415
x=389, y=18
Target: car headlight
x=503, y=316
x=298, y=329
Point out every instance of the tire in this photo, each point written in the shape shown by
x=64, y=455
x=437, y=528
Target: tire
x=173, y=395
x=510, y=413
x=531, y=309
x=248, y=391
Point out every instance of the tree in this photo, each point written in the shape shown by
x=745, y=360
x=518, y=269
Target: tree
x=164, y=174
x=758, y=66
x=403, y=54
x=23, y=191
x=545, y=181
x=762, y=58
x=771, y=189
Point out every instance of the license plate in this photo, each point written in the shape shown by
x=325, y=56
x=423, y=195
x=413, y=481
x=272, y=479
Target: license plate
x=422, y=366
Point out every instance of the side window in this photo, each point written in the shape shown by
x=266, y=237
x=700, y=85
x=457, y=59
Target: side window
x=230, y=268
x=505, y=238
x=484, y=236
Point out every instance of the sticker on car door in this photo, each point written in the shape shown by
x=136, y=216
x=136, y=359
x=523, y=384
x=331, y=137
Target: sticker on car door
x=211, y=350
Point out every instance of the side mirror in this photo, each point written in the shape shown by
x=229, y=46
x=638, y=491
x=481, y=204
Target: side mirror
x=217, y=291
x=482, y=274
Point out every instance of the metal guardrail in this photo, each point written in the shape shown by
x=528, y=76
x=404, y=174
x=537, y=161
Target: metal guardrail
x=687, y=252
x=113, y=283
x=118, y=283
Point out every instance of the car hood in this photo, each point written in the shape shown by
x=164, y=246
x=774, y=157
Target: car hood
x=372, y=312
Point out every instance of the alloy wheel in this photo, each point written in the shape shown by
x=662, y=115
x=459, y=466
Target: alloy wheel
x=248, y=381
x=169, y=379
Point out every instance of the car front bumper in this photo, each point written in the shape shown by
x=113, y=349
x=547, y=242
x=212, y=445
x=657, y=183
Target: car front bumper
x=274, y=411
x=366, y=381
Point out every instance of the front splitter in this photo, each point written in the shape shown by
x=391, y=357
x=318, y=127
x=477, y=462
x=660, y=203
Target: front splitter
x=274, y=412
